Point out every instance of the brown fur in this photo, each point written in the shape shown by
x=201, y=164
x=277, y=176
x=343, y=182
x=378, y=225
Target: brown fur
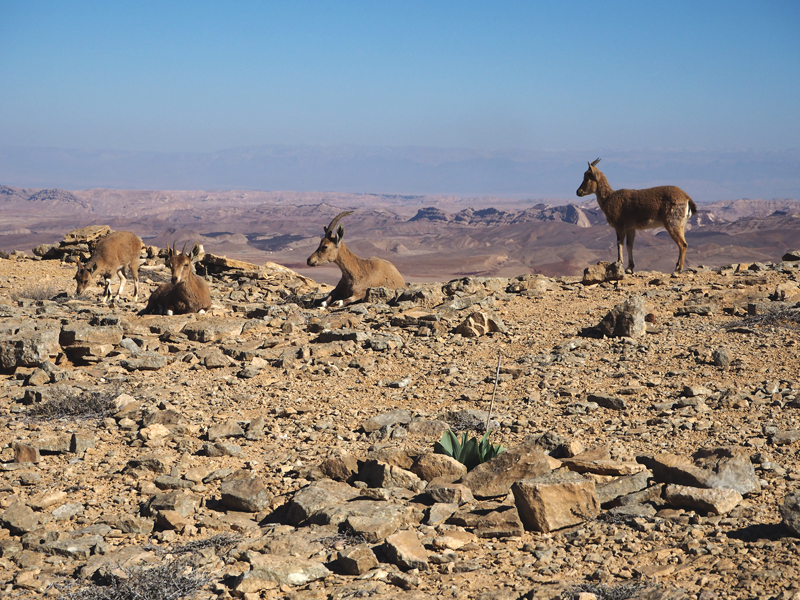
x=112, y=254
x=185, y=293
x=358, y=274
x=626, y=211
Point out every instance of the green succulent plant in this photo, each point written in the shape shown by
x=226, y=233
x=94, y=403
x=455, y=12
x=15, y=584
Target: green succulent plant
x=470, y=452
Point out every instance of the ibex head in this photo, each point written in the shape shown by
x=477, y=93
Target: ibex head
x=330, y=243
x=589, y=185
x=180, y=263
x=84, y=276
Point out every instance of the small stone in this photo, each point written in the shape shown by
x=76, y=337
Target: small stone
x=721, y=358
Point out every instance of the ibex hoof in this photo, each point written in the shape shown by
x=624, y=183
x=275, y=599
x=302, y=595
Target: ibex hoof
x=169, y=313
x=339, y=303
x=324, y=304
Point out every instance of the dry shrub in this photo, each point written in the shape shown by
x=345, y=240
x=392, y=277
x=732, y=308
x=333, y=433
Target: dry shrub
x=39, y=291
x=788, y=318
x=621, y=591
x=172, y=579
x=73, y=404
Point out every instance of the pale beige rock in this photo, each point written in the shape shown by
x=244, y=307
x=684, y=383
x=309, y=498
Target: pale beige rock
x=715, y=500
x=556, y=501
x=432, y=465
x=405, y=550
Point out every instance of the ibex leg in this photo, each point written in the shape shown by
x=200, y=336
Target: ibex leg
x=629, y=241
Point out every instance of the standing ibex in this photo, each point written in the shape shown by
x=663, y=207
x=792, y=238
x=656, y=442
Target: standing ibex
x=358, y=274
x=626, y=211
x=111, y=255
x=186, y=292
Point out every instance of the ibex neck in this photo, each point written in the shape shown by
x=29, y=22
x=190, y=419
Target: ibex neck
x=346, y=260
x=604, y=190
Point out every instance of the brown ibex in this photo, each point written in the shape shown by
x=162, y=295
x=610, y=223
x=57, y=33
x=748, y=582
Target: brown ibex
x=111, y=255
x=626, y=211
x=186, y=292
x=358, y=274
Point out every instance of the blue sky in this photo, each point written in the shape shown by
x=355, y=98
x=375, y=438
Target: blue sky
x=205, y=76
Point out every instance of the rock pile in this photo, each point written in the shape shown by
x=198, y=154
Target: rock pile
x=288, y=449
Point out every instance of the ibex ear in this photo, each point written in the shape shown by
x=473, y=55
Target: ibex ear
x=93, y=269
x=339, y=234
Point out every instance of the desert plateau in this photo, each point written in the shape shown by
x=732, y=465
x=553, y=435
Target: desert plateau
x=274, y=449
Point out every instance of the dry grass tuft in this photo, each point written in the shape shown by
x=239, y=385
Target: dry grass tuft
x=621, y=591
x=41, y=291
x=788, y=318
x=74, y=405
x=172, y=579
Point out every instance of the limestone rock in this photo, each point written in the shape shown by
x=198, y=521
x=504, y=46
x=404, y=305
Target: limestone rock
x=405, y=550
x=19, y=518
x=245, y=491
x=438, y=466
x=356, y=560
x=625, y=320
x=480, y=323
x=714, y=500
x=790, y=511
x=269, y=571
x=602, y=272
x=555, y=501
x=495, y=477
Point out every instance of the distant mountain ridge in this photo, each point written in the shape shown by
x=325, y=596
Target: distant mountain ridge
x=706, y=176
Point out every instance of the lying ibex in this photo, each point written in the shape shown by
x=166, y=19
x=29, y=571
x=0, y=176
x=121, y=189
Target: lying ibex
x=186, y=292
x=358, y=274
x=112, y=254
x=626, y=211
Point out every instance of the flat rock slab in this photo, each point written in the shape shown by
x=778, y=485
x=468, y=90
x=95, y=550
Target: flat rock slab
x=145, y=361
x=269, y=571
x=387, y=419
x=373, y=520
x=211, y=330
x=716, y=500
x=309, y=503
x=378, y=474
x=622, y=486
x=719, y=467
x=495, y=477
x=497, y=522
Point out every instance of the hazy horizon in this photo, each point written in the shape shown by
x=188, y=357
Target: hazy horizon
x=516, y=96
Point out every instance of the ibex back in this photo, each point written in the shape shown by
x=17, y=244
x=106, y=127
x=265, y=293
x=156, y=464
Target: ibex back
x=628, y=210
x=111, y=255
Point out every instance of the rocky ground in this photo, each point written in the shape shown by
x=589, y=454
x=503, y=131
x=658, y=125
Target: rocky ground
x=270, y=449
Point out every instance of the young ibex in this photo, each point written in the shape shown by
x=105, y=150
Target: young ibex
x=186, y=292
x=358, y=274
x=626, y=211
x=112, y=254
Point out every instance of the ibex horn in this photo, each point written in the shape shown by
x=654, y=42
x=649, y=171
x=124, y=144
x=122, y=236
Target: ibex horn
x=183, y=251
x=594, y=164
x=330, y=228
